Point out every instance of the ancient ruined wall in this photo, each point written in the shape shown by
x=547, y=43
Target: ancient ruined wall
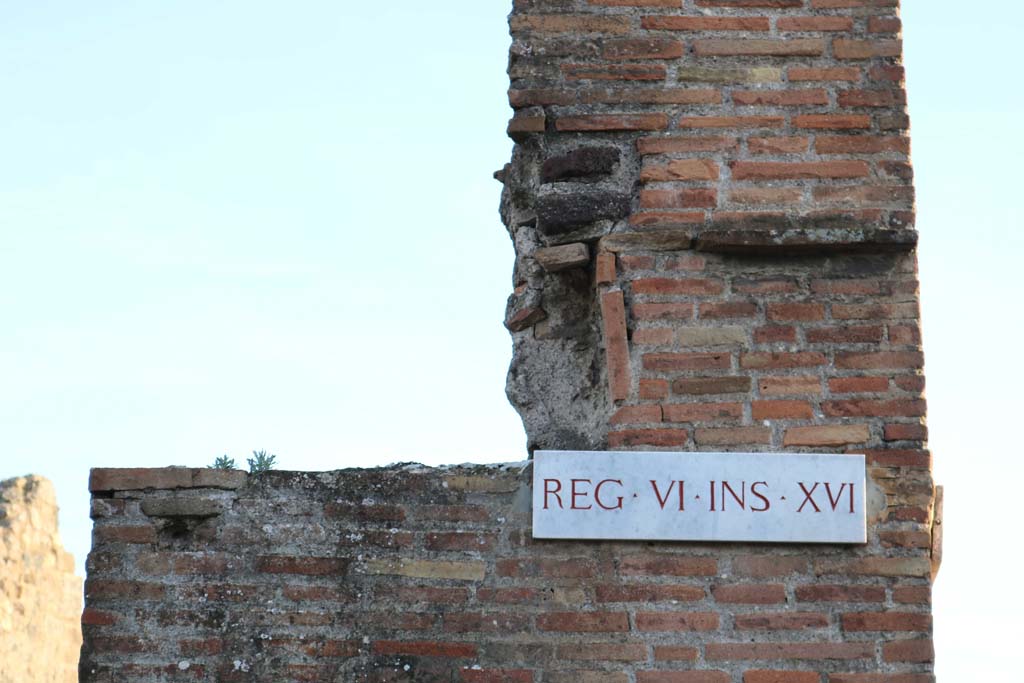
x=712, y=211
x=418, y=574
x=671, y=129
x=40, y=596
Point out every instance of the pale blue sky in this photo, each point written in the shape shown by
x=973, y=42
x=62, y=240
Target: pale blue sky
x=242, y=225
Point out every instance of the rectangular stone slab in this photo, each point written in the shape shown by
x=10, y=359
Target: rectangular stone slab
x=756, y=497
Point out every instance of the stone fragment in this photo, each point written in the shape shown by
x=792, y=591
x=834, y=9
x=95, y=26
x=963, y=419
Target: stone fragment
x=472, y=570
x=182, y=507
x=524, y=318
x=584, y=165
x=563, y=257
x=558, y=213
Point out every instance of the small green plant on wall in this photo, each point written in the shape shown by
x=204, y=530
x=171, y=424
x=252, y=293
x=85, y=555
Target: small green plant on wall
x=259, y=462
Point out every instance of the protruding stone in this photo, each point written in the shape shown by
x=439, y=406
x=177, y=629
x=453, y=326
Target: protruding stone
x=558, y=213
x=181, y=506
x=524, y=318
x=563, y=257
x=585, y=165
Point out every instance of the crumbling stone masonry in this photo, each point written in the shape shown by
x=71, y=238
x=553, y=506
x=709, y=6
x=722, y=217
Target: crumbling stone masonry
x=711, y=203
x=40, y=596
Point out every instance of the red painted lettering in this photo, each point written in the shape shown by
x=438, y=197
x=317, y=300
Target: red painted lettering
x=808, y=497
x=579, y=494
x=742, y=500
x=755, y=492
x=554, y=492
x=597, y=495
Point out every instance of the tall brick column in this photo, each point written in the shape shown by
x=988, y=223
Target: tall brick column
x=712, y=206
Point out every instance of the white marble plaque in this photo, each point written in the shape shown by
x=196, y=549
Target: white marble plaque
x=659, y=496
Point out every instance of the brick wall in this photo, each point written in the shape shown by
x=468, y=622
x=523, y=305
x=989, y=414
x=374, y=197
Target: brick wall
x=417, y=574
x=711, y=205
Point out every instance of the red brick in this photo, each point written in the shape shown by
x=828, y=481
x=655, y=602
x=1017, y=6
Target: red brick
x=905, y=432
x=728, y=310
x=570, y=23
x=780, y=676
x=905, y=539
x=872, y=98
x=665, y=219
x=613, y=72
x=780, y=98
x=495, y=676
x=840, y=593
x=675, y=23
x=866, y=49
x=95, y=617
x=826, y=435
x=676, y=621
x=800, y=47
x=701, y=676
x=599, y=652
x=909, y=651
x=880, y=360
x=806, y=170
x=485, y=622
x=642, y=48
x=863, y=334
x=583, y=622
x=732, y=122
x=642, y=311
x=675, y=653
x=861, y=144
x=781, y=410
x=750, y=594
x=702, y=412
x=795, y=311
x=604, y=272
x=648, y=437
x=886, y=621
x=858, y=385
x=676, y=362
x=772, y=334
x=648, y=593
x=681, y=169
x=648, y=95
x=459, y=540
x=781, y=360
x=832, y=121
x=761, y=566
x=880, y=678
x=309, y=566
x=636, y=415
x=611, y=122
x=424, y=648
x=552, y=568
x=874, y=408
x=126, y=534
x=731, y=436
x=815, y=23
x=675, y=145
x=684, y=287
x=653, y=389
x=613, y=313
x=781, y=621
x=770, y=651
x=678, y=199
x=667, y=565
x=778, y=145
x=828, y=74
x=912, y=595
x=790, y=386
